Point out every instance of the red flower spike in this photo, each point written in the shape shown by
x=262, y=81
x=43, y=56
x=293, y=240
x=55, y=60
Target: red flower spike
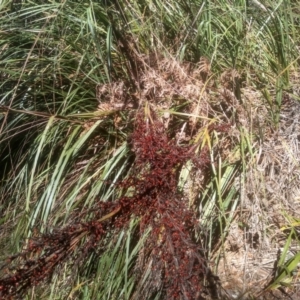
x=177, y=259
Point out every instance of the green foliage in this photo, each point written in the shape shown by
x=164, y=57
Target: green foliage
x=58, y=145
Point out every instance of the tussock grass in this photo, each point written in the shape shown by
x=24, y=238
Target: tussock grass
x=222, y=76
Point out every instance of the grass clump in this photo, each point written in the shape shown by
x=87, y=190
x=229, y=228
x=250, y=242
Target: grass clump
x=146, y=146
